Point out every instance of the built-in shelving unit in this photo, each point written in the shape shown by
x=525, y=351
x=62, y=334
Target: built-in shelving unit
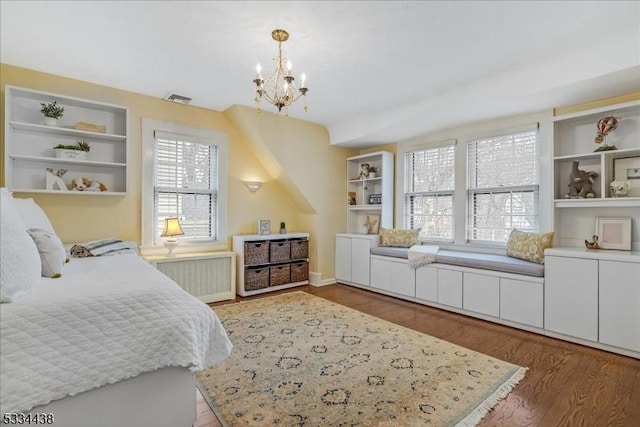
x=29, y=143
x=271, y=262
x=369, y=196
x=573, y=141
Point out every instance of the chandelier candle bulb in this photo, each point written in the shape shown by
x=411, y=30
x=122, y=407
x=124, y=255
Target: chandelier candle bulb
x=303, y=78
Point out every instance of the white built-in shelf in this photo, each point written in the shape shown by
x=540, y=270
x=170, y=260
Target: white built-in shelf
x=618, y=202
x=66, y=161
x=362, y=189
x=29, y=144
x=75, y=133
x=625, y=152
x=364, y=207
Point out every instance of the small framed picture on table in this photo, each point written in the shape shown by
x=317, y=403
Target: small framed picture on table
x=264, y=227
x=614, y=233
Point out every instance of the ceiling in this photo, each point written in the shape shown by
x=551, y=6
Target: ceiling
x=377, y=71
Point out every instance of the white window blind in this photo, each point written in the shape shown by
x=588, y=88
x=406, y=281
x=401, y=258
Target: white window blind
x=430, y=183
x=186, y=176
x=503, y=185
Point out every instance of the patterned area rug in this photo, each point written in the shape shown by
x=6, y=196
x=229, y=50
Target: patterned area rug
x=300, y=360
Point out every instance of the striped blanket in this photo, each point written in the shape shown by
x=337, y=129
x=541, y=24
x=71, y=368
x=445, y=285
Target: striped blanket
x=102, y=247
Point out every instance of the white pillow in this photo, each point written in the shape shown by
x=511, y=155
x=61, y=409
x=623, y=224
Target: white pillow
x=52, y=253
x=20, y=266
x=32, y=215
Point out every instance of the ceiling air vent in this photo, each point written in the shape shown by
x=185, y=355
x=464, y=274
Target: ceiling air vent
x=178, y=98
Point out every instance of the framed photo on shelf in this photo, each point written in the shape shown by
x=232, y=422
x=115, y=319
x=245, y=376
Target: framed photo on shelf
x=614, y=233
x=264, y=227
x=371, y=224
x=627, y=169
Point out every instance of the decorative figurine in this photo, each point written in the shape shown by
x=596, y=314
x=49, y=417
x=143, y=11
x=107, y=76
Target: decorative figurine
x=604, y=126
x=592, y=245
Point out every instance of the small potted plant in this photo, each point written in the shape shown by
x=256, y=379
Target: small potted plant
x=373, y=170
x=283, y=228
x=78, y=151
x=52, y=111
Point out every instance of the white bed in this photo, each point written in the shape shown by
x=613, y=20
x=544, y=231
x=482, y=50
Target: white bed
x=113, y=342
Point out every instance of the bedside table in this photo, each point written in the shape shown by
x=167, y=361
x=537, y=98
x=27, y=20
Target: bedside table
x=210, y=276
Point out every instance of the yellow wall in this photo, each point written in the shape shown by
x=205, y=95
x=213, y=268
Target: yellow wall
x=559, y=111
x=305, y=188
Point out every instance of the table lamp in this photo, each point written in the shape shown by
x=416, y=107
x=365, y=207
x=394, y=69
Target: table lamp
x=171, y=230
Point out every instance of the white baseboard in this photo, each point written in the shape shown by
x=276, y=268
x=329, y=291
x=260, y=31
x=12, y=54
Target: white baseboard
x=315, y=279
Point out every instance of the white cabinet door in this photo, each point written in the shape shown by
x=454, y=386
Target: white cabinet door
x=450, y=287
x=571, y=297
x=360, y=261
x=381, y=274
x=620, y=304
x=481, y=294
x=522, y=302
x=427, y=283
x=403, y=279
x=343, y=259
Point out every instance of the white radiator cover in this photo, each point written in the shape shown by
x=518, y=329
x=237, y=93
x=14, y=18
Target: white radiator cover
x=210, y=277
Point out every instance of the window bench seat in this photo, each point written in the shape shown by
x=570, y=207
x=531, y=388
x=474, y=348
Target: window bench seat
x=492, y=287
x=500, y=263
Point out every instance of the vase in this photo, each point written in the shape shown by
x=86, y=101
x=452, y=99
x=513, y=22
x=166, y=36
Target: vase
x=51, y=121
x=619, y=193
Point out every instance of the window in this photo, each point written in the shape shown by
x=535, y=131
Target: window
x=503, y=184
x=184, y=176
x=430, y=184
x=186, y=186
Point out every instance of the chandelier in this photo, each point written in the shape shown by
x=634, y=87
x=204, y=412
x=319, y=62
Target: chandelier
x=280, y=88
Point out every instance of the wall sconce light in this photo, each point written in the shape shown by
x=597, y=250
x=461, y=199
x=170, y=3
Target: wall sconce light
x=253, y=186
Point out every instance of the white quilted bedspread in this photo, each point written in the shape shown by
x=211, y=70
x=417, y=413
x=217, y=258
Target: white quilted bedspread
x=107, y=319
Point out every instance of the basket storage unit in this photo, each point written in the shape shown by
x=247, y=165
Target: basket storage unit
x=300, y=271
x=299, y=249
x=256, y=278
x=256, y=253
x=280, y=251
x=270, y=262
x=279, y=274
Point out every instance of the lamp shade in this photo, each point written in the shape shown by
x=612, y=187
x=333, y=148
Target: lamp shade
x=172, y=227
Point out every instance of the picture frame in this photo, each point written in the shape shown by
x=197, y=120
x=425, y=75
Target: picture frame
x=264, y=227
x=371, y=224
x=614, y=233
x=627, y=169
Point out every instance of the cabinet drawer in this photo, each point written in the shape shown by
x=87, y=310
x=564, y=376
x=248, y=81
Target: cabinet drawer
x=279, y=274
x=450, y=287
x=481, y=294
x=299, y=249
x=521, y=302
x=300, y=271
x=256, y=253
x=256, y=278
x=280, y=250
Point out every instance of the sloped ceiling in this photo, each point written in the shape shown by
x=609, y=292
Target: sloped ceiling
x=378, y=71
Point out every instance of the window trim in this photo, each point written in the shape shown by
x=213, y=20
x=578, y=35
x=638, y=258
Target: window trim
x=535, y=188
x=149, y=128
x=451, y=143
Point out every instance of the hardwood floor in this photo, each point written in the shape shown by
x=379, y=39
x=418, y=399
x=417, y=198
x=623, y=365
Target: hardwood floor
x=566, y=384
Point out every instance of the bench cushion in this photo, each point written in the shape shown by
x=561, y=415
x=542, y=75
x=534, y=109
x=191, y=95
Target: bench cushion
x=493, y=262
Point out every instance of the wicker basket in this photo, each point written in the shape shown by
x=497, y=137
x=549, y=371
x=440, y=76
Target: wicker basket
x=256, y=278
x=256, y=253
x=300, y=271
x=280, y=274
x=299, y=249
x=280, y=250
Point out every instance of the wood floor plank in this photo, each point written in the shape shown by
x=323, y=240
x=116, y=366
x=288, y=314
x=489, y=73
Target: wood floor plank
x=566, y=384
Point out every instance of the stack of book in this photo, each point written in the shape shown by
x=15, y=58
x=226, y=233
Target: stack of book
x=91, y=127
